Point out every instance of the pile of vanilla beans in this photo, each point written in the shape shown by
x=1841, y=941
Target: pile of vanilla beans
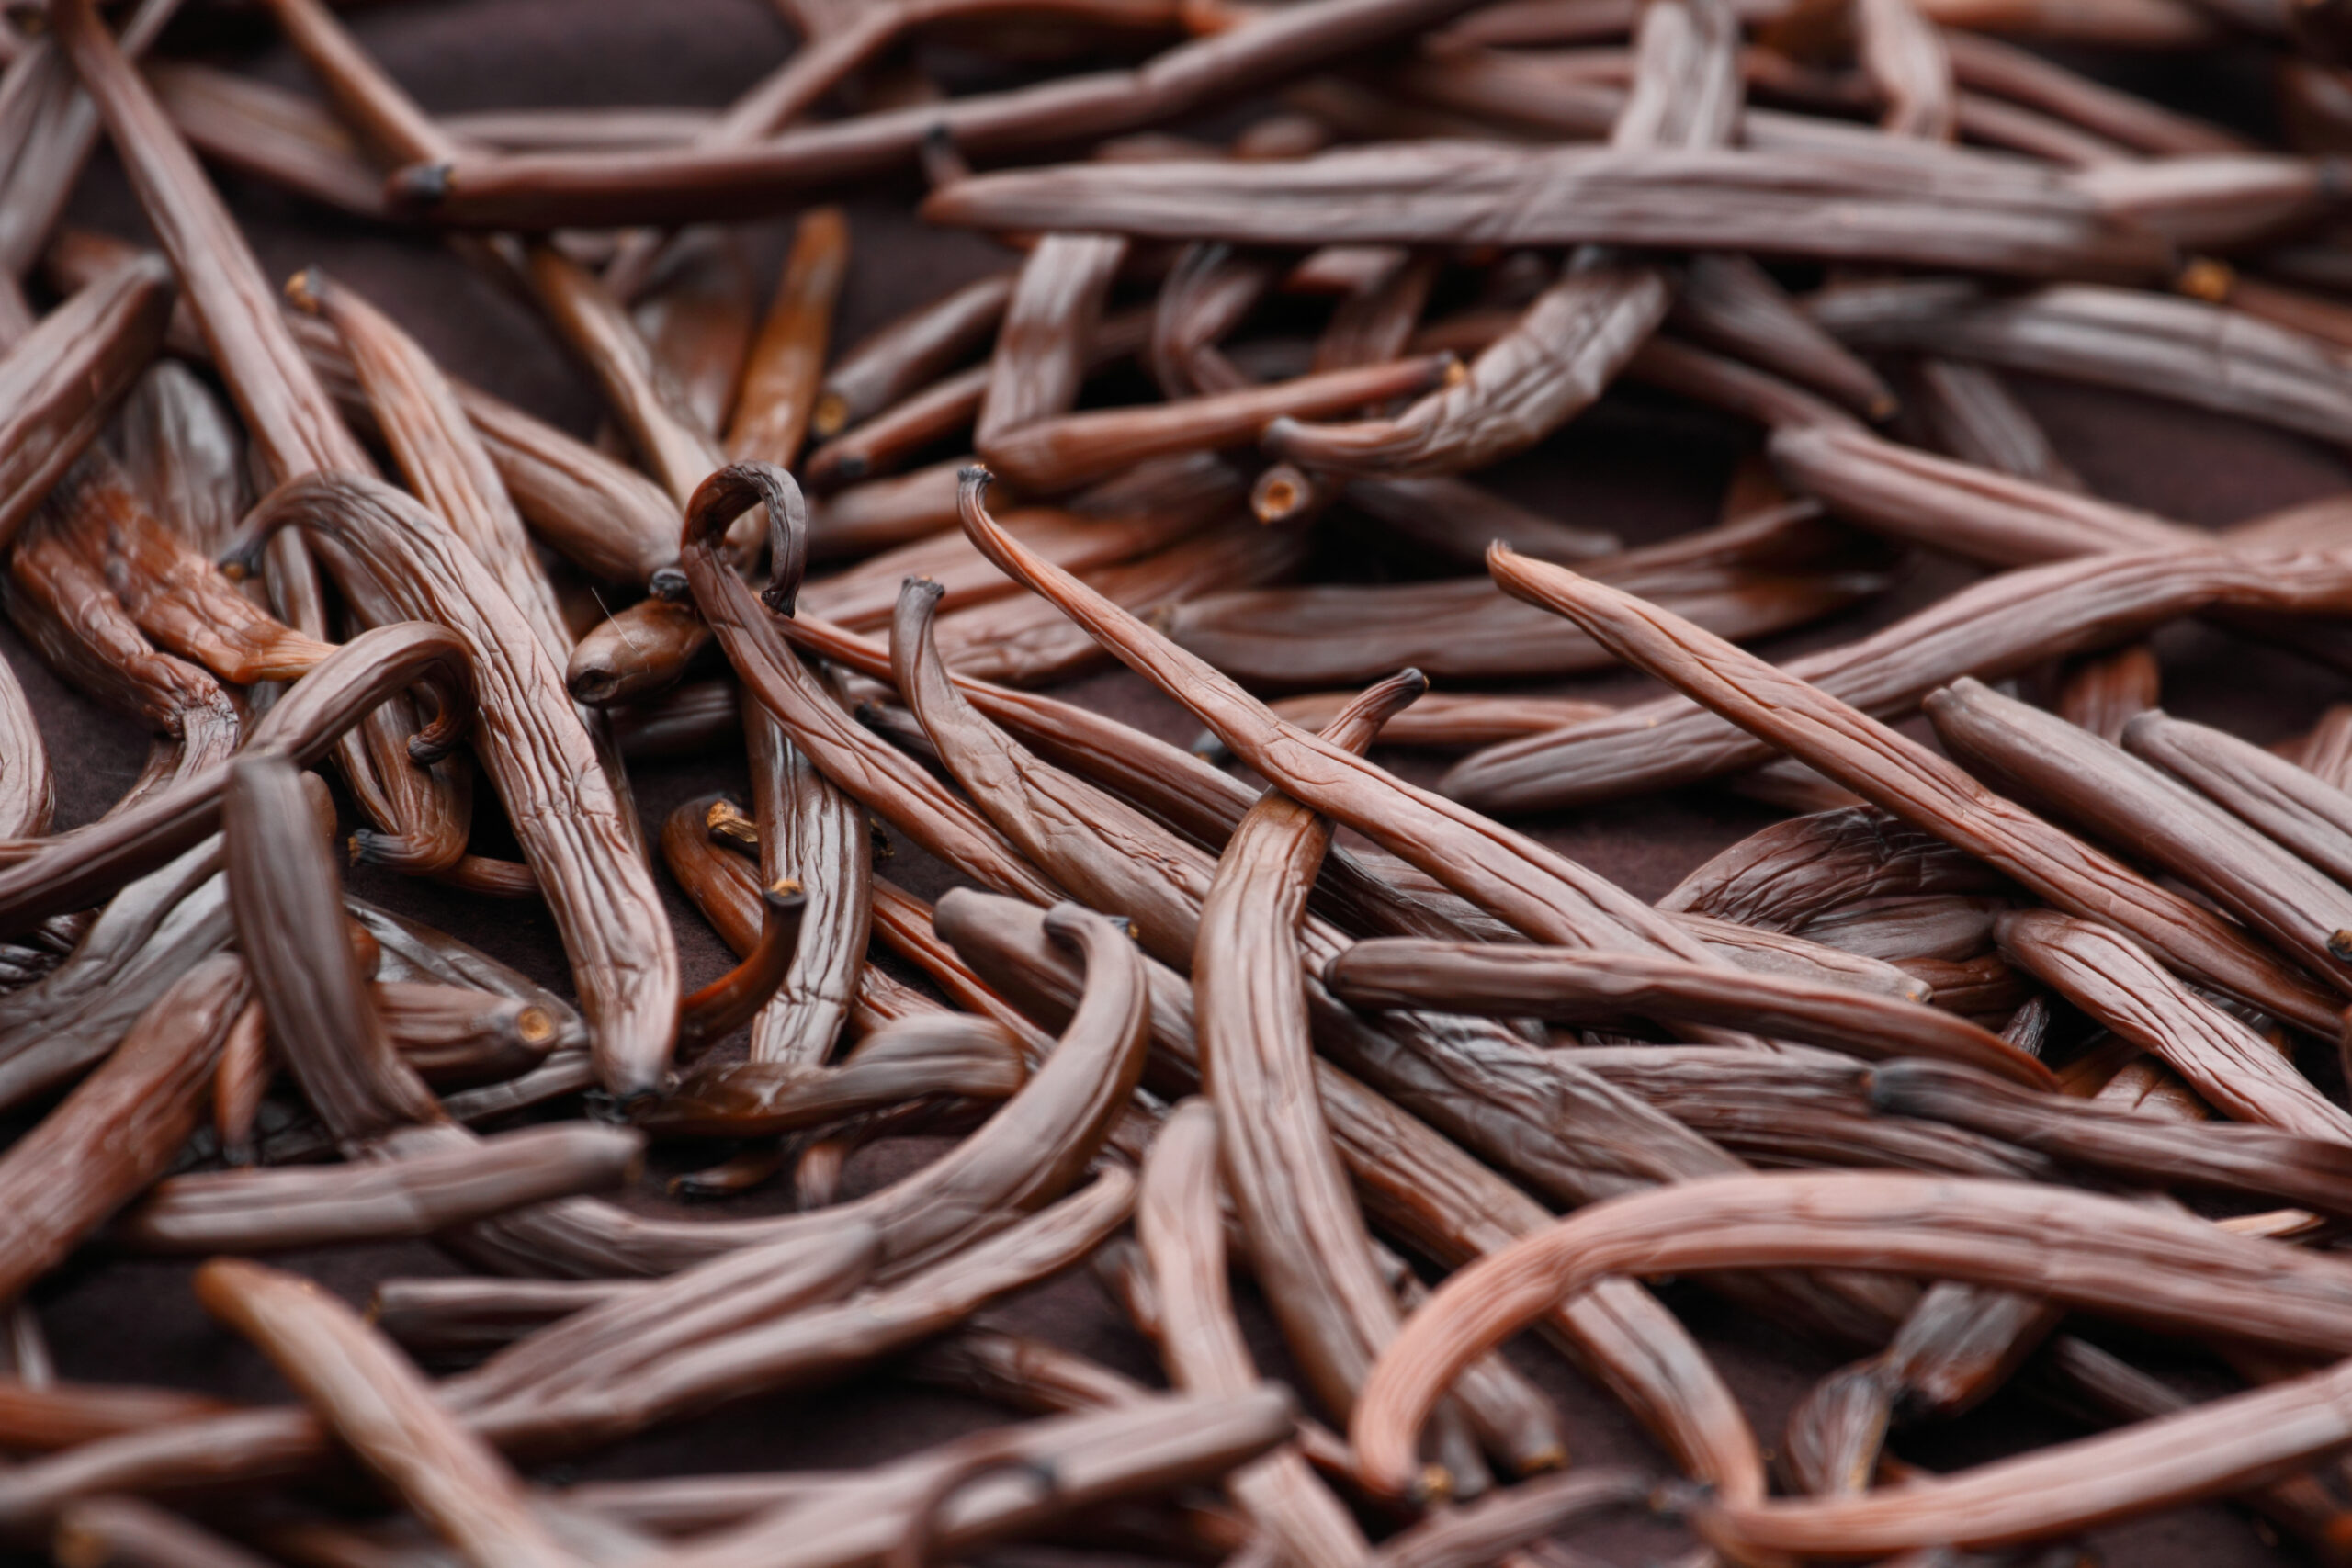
x=1982, y=1049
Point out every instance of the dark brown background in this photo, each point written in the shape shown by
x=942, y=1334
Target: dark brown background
x=1635, y=466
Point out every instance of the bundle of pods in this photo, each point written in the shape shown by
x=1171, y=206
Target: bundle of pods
x=1979, y=1050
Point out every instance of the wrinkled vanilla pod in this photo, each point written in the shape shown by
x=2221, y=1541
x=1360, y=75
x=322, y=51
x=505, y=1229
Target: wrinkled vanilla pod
x=1550, y=897
x=455, y=1035
x=1981, y=513
x=380, y=1405
x=2040, y=759
x=862, y=766
x=727, y=1003
x=1041, y=342
x=1999, y=626
x=538, y=755
x=782, y=373
x=290, y=419
x=658, y=186
x=1797, y=871
x=177, y=597
x=2105, y=1255
x=1949, y=211
x=539, y=1393
x=300, y=1206
x=814, y=834
x=1908, y=781
x=2123, y=985
x=69, y=869
x=2209, y=355
x=954, y=1054
x=1201, y=802
x=2214, y=1157
x=60, y=602
x=1421, y=1187
x=1594, y=987
x=2307, y=815
x=471, y=1312
x=1054, y=454
x=283, y=894
x=1799, y=1107
x=1096, y=843
x=1307, y=1237
x=142, y=942
x=1579, y=333
x=863, y=597
x=1022, y=640
x=27, y=789
x=120, y=1127
x=1460, y=629
x=439, y=454
x=610, y=520
x=1442, y=721
x=61, y=378
x=1182, y=1230
x=914, y=350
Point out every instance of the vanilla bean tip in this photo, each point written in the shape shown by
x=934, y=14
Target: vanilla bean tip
x=425, y=748
x=302, y=291
x=594, y=687
x=668, y=583
x=419, y=185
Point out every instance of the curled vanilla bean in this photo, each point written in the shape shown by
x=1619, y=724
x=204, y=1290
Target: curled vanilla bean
x=62, y=872
x=2152, y=1266
x=725, y=1005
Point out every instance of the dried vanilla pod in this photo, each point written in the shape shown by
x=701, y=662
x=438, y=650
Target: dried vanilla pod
x=1279, y=318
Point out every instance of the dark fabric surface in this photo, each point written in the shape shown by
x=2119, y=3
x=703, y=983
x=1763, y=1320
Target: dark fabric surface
x=1635, y=466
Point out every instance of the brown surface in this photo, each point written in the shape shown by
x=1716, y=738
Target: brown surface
x=1633, y=465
